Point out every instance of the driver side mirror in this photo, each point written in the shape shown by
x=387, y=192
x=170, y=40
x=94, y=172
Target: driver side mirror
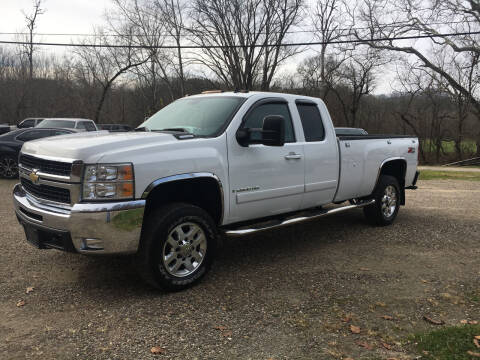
x=271, y=134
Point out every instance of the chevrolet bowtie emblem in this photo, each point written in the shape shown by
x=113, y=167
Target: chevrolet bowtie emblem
x=33, y=176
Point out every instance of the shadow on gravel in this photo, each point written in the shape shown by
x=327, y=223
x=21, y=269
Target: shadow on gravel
x=117, y=277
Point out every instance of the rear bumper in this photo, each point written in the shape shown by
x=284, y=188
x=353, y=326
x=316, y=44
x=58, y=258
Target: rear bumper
x=100, y=228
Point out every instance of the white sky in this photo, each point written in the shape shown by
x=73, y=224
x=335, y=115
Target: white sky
x=80, y=16
x=61, y=16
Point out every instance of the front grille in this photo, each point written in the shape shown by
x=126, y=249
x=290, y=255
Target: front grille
x=46, y=192
x=46, y=166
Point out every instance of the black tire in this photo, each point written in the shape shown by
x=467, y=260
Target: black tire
x=382, y=212
x=156, y=238
x=8, y=167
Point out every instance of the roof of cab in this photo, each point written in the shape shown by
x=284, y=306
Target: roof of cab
x=245, y=94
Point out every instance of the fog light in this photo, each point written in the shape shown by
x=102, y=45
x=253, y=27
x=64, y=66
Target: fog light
x=92, y=244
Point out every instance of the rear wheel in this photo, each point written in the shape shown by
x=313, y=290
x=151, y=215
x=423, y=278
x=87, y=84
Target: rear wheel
x=178, y=246
x=387, y=202
x=8, y=167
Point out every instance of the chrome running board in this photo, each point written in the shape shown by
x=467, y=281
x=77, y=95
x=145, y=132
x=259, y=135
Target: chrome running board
x=295, y=219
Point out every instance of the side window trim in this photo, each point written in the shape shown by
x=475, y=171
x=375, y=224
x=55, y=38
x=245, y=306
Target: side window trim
x=269, y=100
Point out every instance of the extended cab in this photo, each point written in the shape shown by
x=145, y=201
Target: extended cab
x=205, y=166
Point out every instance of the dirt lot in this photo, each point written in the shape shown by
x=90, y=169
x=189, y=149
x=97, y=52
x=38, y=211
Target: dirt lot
x=289, y=294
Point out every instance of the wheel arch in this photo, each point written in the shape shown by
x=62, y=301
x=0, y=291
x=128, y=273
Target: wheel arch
x=396, y=167
x=202, y=189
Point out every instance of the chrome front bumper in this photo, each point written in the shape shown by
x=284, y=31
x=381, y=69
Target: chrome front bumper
x=94, y=228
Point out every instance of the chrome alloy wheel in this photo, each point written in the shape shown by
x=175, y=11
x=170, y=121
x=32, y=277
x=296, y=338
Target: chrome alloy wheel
x=184, y=250
x=8, y=167
x=389, y=201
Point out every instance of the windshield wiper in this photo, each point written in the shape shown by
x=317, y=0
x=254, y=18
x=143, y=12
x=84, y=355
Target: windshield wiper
x=143, y=128
x=175, y=129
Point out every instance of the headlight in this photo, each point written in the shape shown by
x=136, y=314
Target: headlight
x=108, y=182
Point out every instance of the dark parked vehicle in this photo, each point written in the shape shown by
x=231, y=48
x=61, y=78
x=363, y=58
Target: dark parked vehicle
x=114, y=127
x=4, y=128
x=346, y=131
x=29, y=123
x=11, y=144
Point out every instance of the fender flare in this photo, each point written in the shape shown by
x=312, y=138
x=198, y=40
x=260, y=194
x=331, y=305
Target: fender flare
x=188, y=176
x=386, y=161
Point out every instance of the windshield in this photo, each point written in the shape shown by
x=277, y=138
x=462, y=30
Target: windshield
x=201, y=116
x=69, y=124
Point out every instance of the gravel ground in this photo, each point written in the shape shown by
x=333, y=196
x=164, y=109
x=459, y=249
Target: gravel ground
x=289, y=294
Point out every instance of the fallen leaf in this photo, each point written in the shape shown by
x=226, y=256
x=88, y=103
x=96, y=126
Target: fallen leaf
x=433, y=321
x=29, y=290
x=364, y=345
x=477, y=337
x=387, y=317
x=463, y=321
x=157, y=350
x=381, y=304
x=227, y=333
x=474, y=354
x=347, y=319
x=387, y=346
x=20, y=303
x=220, y=327
x=355, y=329
x=473, y=322
x=477, y=343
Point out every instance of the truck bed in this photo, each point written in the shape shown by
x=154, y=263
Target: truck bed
x=361, y=157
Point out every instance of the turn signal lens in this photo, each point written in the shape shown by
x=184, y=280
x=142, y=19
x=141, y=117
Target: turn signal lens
x=125, y=190
x=125, y=172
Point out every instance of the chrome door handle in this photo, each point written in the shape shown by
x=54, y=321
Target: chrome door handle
x=293, y=156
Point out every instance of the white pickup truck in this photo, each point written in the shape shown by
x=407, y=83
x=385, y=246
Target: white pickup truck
x=204, y=166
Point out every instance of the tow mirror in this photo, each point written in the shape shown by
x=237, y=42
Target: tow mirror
x=273, y=131
x=271, y=134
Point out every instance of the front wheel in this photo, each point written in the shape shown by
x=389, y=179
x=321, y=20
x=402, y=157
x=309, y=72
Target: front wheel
x=178, y=246
x=387, y=202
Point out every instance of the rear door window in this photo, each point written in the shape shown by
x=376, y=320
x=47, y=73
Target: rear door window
x=89, y=126
x=27, y=123
x=311, y=122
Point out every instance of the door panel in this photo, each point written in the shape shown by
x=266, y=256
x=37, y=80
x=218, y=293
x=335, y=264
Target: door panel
x=265, y=180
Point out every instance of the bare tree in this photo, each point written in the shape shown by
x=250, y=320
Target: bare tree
x=148, y=25
x=357, y=76
x=31, y=20
x=326, y=19
x=105, y=64
x=242, y=40
x=173, y=14
x=431, y=18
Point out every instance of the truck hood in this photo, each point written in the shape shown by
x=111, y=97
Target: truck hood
x=91, y=146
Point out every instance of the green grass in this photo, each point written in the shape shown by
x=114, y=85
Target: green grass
x=449, y=175
x=450, y=343
x=468, y=146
